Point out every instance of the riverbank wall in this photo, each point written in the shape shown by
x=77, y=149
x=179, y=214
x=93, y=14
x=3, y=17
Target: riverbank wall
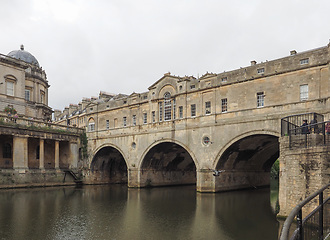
x=10, y=178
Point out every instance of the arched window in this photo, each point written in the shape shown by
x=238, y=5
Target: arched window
x=91, y=125
x=167, y=106
x=6, y=153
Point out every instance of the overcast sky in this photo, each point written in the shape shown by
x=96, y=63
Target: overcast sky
x=124, y=46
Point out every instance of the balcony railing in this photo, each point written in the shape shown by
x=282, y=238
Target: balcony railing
x=37, y=125
x=315, y=225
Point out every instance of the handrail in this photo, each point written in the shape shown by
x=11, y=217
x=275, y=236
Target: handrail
x=295, y=212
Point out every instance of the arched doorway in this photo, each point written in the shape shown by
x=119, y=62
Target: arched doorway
x=167, y=163
x=109, y=166
x=247, y=162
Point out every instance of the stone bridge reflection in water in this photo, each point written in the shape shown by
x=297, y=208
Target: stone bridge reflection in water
x=116, y=212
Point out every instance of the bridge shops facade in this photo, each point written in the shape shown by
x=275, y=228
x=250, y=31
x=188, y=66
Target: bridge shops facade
x=183, y=128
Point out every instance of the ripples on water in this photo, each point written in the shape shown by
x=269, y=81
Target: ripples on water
x=116, y=212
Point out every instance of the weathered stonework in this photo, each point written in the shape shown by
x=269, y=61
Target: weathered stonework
x=303, y=171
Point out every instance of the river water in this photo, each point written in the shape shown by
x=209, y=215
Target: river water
x=117, y=212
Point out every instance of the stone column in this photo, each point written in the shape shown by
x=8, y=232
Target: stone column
x=74, y=155
x=57, y=155
x=205, y=181
x=20, y=153
x=42, y=154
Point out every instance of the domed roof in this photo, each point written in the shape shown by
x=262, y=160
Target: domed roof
x=24, y=56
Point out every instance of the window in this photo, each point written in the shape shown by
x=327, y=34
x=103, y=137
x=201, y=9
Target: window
x=192, y=86
x=174, y=109
x=260, y=99
x=42, y=96
x=167, y=106
x=304, y=92
x=10, y=88
x=224, y=106
x=160, y=106
x=6, y=151
x=261, y=70
x=124, y=121
x=304, y=61
x=27, y=94
x=107, y=124
x=206, y=140
x=181, y=112
x=193, y=110
x=115, y=122
x=153, y=116
x=91, y=125
x=224, y=79
x=145, y=118
x=134, y=120
x=207, y=108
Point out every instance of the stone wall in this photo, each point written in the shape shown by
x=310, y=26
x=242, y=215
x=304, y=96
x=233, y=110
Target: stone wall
x=303, y=171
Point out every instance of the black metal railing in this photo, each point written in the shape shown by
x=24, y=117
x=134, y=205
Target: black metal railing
x=313, y=226
x=295, y=121
x=311, y=135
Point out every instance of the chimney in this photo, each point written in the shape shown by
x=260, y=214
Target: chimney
x=253, y=62
x=293, y=52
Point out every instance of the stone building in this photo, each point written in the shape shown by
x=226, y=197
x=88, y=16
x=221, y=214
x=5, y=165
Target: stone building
x=33, y=151
x=183, y=128
x=24, y=85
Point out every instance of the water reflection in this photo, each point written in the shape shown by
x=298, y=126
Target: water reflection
x=115, y=212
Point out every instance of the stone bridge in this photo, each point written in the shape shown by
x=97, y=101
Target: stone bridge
x=183, y=128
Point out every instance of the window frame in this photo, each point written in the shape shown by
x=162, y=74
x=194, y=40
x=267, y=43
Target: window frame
x=193, y=110
x=224, y=105
x=208, y=108
x=260, y=99
x=303, y=94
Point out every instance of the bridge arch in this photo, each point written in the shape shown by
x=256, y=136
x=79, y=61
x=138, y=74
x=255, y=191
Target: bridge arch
x=247, y=159
x=167, y=162
x=109, y=164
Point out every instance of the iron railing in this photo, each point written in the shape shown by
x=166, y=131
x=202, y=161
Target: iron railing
x=295, y=121
x=313, y=225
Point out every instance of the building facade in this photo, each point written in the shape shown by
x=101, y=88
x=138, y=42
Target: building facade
x=183, y=128
x=33, y=151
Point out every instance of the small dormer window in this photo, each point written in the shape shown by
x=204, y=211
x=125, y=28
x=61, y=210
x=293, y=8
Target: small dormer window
x=224, y=79
x=125, y=101
x=304, y=61
x=261, y=70
x=192, y=86
x=91, y=109
x=180, y=87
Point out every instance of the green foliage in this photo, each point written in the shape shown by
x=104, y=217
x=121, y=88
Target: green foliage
x=83, y=143
x=275, y=170
x=10, y=110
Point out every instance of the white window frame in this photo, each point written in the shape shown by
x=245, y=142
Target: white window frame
x=124, y=121
x=261, y=70
x=260, y=99
x=304, y=61
x=10, y=88
x=153, y=113
x=145, y=118
x=208, y=108
x=224, y=105
x=304, y=92
x=180, y=112
x=27, y=94
x=167, y=107
x=134, y=120
x=193, y=110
